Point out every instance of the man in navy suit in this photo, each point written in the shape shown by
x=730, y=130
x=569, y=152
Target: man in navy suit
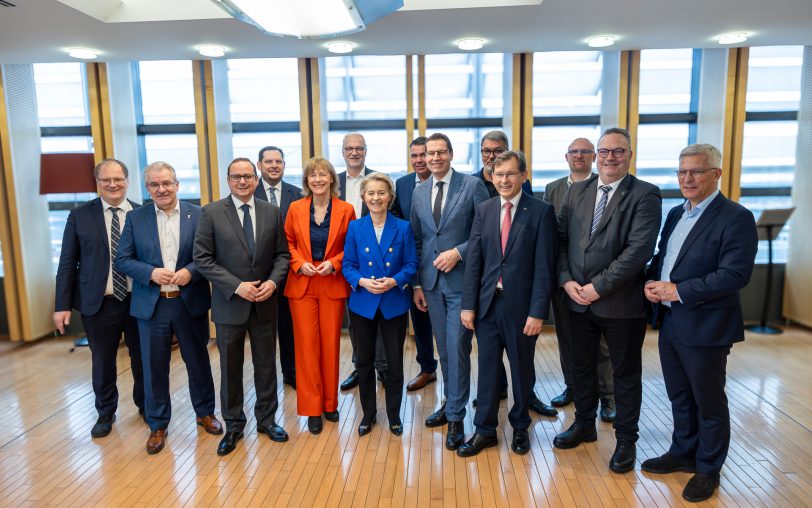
x=705, y=258
x=271, y=164
x=169, y=297
x=402, y=207
x=87, y=282
x=509, y=280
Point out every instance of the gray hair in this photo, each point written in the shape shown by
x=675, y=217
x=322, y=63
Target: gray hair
x=157, y=166
x=510, y=155
x=712, y=154
x=499, y=136
x=617, y=130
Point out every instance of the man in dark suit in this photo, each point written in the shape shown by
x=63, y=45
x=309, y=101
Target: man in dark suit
x=492, y=144
x=169, y=297
x=509, y=280
x=705, y=258
x=241, y=249
x=442, y=215
x=402, y=207
x=608, y=226
x=580, y=156
x=271, y=164
x=87, y=282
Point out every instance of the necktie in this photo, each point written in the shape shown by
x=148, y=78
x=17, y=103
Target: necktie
x=248, y=228
x=596, y=219
x=505, y=229
x=272, y=196
x=119, y=280
x=438, y=204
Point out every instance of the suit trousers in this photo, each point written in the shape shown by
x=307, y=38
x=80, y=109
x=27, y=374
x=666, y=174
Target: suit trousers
x=317, y=322
x=453, y=345
x=104, y=330
x=287, y=352
x=231, y=344
x=366, y=334
x=625, y=340
x=561, y=314
x=695, y=383
x=380, y=355
x=423, y=337
x=172, y=317
x=496, y=333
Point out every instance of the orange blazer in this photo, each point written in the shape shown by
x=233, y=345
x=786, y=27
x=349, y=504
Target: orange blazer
x=297, y=229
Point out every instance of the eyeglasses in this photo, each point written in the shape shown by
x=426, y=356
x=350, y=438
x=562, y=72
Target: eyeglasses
x=236, y=178
x=682, y=173
x=359, y=149
x=111, y=181
x=582, y=151
x=487, y=153
x=617, y=152
x=153, y=186
x=437, y=153
x=501, y=176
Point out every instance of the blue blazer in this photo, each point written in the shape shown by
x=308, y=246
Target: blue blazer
x=395, y=256
x=715, y=262
x=139, y=253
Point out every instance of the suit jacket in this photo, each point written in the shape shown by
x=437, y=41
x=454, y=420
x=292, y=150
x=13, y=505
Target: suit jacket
x=527, y=187
x=404, y=189
x=527, y=267
x=81, y=277
x=297, y=230
x=139, y=253
x=342, y=182
x=290, y=193
x=714, y=263
x=222, y=256
x=395, y=256
x=614, y=258
x=555, y=191
x=464, y=193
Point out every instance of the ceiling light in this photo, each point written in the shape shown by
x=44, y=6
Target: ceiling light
x=470, y=44
x=340, y=47
x=733, y=38
x=601, y=41
x=211, y=50
x=83, y=53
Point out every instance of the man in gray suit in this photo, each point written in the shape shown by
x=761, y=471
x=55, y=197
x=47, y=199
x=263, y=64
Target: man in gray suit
x=608, y=226
x=442, y=215
x=580, y=156
x=240, y=247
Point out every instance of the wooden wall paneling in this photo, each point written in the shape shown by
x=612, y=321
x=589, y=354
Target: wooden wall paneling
x=421, y=95
x=205, y=130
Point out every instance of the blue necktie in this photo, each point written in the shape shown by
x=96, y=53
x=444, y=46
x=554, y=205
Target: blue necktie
x=596, y=219
x=248, y=228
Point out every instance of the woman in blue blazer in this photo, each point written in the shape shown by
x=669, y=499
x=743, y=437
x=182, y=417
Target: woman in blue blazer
x=380, y=260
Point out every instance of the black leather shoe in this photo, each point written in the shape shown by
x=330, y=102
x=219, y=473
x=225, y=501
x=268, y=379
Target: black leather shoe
x=396, y=427
x=382, y=378
x=229, y=442
x=574, y=436
x=103, y=426
x=437, y=418
x=290, y=381
x=521, y=441
x=608, y=412
x=455, y=436
x=476, y=444
x=366, y=426
x=668, y=463
x=314, y=424
x=351, y=381
x=502, y=396
x=331, y=416
x=700, y=487
x=274, y=431
x=564, y=399
x=540, y=407
x=623, y=458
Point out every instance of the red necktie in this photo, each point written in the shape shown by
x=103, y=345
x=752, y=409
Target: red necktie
x=505, y=230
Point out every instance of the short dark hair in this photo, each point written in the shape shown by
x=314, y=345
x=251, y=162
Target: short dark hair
x=270, y=147
x=617, y=130
x=240, y=159
x=439, y=136
x=509, y=155
x=420, y=141
x=97, y=169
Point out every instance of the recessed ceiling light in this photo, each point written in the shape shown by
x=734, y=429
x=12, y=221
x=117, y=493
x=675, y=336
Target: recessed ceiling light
x=470, y=44
x=83, y=53
x=211, y=50
x=601, y=41
x=733, y=38
x=340, y=47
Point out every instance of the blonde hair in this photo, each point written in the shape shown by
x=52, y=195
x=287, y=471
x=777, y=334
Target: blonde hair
x=379, y=177
x=314, y=164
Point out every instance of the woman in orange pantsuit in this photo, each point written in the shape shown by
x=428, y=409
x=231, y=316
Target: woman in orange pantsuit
x=315, y=227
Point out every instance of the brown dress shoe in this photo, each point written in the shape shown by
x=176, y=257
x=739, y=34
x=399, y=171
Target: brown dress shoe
x=211, y=424
x=421, y=380
x=156, y=441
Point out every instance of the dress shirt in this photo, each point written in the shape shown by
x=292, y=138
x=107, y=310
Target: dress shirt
x=277, y=192
x=352, y=192
x=169, y=240
x=515, y=201
x=447, y=181
x=251, y=210
x=614, y=185
x=123, y=208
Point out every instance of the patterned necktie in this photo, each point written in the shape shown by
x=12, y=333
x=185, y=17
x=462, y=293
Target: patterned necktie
x=248, y=228
x=119, y=280
x=596, y=219
x=438, y=204
x=272, y=196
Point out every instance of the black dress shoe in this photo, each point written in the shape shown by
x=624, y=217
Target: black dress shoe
x=521, y=441
x=331, y=416
x=608, y=412
x=229, y=442
x=540, y=407
x=314, y=424
x=502, y=396
x=455, y=436
x=623, y=458
x=366, y=426
x=564, y=399
x=396, y=427
x=437, y=418
x=382, y=378
x=103, y=426
x=476, y=444
x=351, y=381
x=668, y=463
x=700, y=487
x=574, y=436
x=290, y=381
x=273, y=431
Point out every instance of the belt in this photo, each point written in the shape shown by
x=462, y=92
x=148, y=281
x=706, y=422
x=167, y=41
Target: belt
x=170, y=294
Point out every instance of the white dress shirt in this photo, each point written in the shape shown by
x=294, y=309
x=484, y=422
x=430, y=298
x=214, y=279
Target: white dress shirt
x=123, y=209
x=169, y=240
x=352, y=192
x=277, y=192
x=447, y=180
x=614, y=185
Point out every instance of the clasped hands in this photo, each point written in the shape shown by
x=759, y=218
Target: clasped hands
x=256, y=291
x=164, y=277
x=657, y=291
x=324, y=268
x=532, y=326
x=378, y=286
x=582, y=295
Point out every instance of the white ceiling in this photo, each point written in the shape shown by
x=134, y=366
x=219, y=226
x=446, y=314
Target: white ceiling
x=40, y=30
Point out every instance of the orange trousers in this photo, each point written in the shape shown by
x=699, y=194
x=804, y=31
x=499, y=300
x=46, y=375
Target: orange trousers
x=317, y=322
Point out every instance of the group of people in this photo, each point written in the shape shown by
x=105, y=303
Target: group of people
x=459, y=253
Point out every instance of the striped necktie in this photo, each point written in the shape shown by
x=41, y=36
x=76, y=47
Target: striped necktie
x=596, y=219
x=119, y=280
